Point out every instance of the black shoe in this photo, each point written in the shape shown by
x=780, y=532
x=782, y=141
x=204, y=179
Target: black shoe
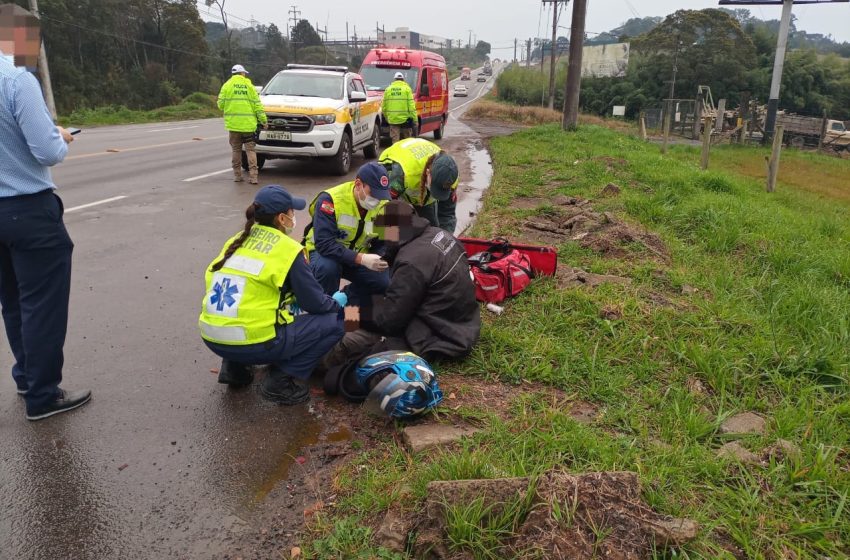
x=66, y=401
x=235, y=374
x=283, y=389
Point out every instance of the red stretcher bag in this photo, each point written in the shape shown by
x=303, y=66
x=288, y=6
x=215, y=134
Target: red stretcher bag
x=501, y=269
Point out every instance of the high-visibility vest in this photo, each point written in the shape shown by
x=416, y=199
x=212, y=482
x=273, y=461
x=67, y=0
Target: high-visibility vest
x=357, y=232
x=411, y=154
x=398, y=104
x=241, y=105
x=245, y=301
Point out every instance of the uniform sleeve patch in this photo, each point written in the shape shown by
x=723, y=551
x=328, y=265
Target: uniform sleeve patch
x=327, y=207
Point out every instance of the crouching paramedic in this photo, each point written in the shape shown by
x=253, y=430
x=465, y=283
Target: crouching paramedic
x=342, y=242
x=254, y=287
x=429, y=307
x=425, y=176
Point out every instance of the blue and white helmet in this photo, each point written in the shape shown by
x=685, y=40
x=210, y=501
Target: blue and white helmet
x=403, y=384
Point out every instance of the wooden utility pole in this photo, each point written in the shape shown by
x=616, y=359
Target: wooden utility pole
x=573, y=87
x=515, y=43
x=773, y=165
x=668, y=118
x=43, y=68
x=528, y=53
x=642, y=121
x=778, y=65
x=707, y=127
x=823, y=127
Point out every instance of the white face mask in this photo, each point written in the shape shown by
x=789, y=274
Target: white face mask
x=370, y=203
x=294, y=221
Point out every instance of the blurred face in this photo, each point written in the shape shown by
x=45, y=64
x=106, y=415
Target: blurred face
x=20, y=39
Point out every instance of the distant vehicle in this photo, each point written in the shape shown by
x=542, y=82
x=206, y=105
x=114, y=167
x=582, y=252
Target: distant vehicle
x=424, y=71
x=488, y=68
x=482, y=77
x=460, y=90
x=800, y=131
x=318, y=112
x=466, y=73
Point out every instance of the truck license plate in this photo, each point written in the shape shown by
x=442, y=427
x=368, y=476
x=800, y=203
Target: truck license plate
x=274, y=135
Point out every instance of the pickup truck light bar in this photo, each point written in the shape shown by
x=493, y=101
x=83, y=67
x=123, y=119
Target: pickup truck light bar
x=316, y=67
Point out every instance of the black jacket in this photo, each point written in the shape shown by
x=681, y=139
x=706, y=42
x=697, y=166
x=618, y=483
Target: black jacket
x=430, y=300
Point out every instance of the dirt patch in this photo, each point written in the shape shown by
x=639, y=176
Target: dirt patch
x=529, y=203
x=593, y=515
x=574, y=219
x=569, y=277
x=492, y=128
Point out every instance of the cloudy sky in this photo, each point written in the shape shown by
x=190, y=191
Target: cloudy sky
x=499, y=22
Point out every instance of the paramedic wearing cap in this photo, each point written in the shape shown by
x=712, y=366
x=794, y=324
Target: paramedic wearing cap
x=242, y=109
x=342, y=241
x=257, y=288
x=426, y=177
x=399, y=108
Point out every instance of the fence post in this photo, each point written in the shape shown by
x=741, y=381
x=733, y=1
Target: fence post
x=823, y=126
x=642, y=120
x=707, y=127
x=666, y=126
x=773, y=166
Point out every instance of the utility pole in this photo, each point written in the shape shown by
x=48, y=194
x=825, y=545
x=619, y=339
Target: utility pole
x=515, y=41
x=528, y=53
x=552, y=51
x=325, y=33
x=573, y=87
x=778, y=65
x=295, y=14
x=378, y=31
x=43, y=69
x=469, y=41
x=347, y=45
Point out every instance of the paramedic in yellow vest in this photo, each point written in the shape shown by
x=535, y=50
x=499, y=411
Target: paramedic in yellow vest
x=243, y=111
x=399, y=108
x=342, y=241
x=263, y=305
x=426, y=177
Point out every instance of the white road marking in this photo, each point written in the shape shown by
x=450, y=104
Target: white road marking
x=90, y=204
x=204, y=176
x=167, y=129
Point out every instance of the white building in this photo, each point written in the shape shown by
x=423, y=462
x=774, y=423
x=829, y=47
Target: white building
x=404, y=37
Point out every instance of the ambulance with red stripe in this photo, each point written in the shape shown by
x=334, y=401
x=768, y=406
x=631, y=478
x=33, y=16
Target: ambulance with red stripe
x=425, y=73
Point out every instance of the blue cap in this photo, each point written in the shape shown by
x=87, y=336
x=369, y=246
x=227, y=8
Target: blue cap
x=375, y=175
x=273, y=199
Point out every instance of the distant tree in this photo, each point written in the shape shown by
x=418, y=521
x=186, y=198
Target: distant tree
x=482, y=48
x=636, y=26
x=303, y=35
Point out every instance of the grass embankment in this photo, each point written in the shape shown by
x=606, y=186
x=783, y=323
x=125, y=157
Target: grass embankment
x=489, y=108
x=762, y=325
x=195, y=106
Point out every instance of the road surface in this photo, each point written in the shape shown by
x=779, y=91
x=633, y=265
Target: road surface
x=164, y=461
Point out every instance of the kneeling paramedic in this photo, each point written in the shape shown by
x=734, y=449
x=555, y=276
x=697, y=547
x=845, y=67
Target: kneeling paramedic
x=342, y=242
x=426, y=177
x=429, y=307
x=254, y=288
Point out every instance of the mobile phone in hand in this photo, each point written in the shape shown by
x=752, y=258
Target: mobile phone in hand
x=73, y=131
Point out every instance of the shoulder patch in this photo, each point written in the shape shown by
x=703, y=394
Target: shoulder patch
x=443, y=242
x=327, y=207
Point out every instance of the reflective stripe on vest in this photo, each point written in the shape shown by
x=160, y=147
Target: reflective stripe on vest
x=244, y=302
x=359, y=233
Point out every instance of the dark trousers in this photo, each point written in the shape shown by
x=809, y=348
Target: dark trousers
x=295, y=350
x=440, y=214
x=364, y=282
x=35, y=285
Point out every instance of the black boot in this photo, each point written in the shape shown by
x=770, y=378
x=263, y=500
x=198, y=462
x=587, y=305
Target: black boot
x=235, y=374
x=283, y=389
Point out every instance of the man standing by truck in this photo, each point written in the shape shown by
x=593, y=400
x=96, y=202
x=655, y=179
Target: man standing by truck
x=242, y=111
x=399, y=108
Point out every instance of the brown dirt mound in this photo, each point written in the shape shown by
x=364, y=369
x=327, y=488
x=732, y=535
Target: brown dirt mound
x=576, y=517
x=574, y=219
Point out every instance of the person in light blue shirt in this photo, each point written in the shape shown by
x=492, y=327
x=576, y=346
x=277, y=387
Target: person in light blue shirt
x=35, y=248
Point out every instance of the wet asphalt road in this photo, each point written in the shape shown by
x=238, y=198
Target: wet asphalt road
x=163, y=458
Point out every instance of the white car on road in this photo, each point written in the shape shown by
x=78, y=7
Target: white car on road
x=318, y=112
x=460, y=90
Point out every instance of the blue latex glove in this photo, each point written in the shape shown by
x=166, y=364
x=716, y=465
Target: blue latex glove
x=294, y=308
x=341, y=298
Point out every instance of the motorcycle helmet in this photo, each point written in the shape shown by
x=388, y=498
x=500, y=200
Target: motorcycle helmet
x=400, y=384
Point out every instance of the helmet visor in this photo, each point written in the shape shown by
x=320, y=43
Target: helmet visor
x=378, y=396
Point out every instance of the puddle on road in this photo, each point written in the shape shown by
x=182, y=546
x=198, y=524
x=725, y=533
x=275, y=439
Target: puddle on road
x=343, y=433
x=469, y=203
x=305, y=439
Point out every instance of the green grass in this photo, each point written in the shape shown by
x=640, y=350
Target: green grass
x=768, y=331
x=194, y=106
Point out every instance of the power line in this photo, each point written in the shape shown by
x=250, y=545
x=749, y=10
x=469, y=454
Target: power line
x=147, y=43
